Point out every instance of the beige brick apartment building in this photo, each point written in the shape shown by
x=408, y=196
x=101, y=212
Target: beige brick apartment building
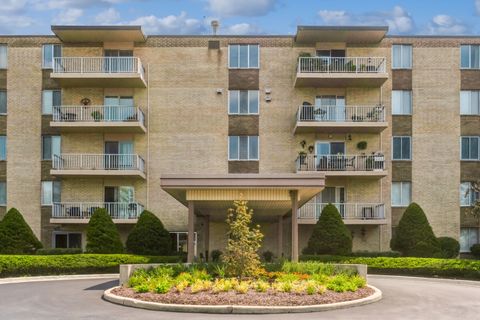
x=183, y=125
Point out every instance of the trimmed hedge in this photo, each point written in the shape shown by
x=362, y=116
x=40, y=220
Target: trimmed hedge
x=31, y=265
x=427, y=267
x=102, y=234
x=56, y=251
x=149, y=236
x=16, y=236
x=450, y=247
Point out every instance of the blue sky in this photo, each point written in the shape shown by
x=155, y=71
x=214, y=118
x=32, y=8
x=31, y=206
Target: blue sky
x=243, y=16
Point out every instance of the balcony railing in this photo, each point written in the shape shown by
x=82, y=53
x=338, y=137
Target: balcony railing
x=98, y=162
x=84, y=210
x=312, y=162
x=341, y=114
x=98, y=65
x=98, y=114
x=341, y=65
x=348, y=211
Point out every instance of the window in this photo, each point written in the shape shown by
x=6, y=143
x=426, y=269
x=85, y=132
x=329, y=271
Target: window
x=179, y=241
x=51, y=191
x=243, y=56
x=470, y=56
x=3, y=102
x=401, y=56
x=3, y=56
x=401, y=102
x=50, y=99
x=468, y=237
x=468, y=196
x=243, y=148
x=51, y=145
x=3, y=148
x=50, y=51
x=3, y=193
x=470, y=102
x=402, y=149
x=243, y=102
x=401, y=194
x=469, y=148
x=63, y=239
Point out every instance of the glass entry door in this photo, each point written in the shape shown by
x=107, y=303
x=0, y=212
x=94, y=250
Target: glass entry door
x=329, y=155
x=333, y=195
x=118, y=108
x=115, y=63
x=329, y=108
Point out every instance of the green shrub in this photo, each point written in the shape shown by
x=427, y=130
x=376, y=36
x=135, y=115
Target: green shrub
x=392, y=254
x=450, y=247
x=475, y=250
x=149, y=237
x=102, y=234
x=414, y=236
x=267, y=256
x=216, y=254
x=55, y=251
x=330, y=235
x=16, y=236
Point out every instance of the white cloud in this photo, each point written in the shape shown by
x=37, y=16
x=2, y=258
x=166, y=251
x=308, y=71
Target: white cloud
x=109, y=16
x=13, y=6
x=443, y=24
x=9, y=24
x=171, y=24
x=398, y=19
x=68, y=4
x=250, y=8
x=477, y=5
x=241, y=29
x=69, y=16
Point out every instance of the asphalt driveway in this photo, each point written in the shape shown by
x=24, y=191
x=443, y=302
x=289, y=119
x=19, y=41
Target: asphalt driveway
x=403, y=298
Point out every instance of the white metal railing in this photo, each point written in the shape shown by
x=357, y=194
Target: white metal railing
x=98, y=162
x=97, y=114
x=341, y=113
x=357, y=211
x=97, y=65
x=312, y=162
x=341, y=65
x=84, y=210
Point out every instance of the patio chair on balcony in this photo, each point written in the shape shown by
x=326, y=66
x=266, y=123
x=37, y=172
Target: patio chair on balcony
x=367, y=213
x=74, y=212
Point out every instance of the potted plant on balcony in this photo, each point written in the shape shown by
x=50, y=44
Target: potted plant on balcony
x=97, y=115
x=362, y=145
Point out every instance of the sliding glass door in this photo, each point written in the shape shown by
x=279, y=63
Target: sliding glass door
x=330, y=108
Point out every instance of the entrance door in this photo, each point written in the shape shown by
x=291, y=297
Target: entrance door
x=118, y=61
x=111, y=155
x=118, y=108
x=330, y=108
x=333, y=195
x=329, y=155
x=119, y=201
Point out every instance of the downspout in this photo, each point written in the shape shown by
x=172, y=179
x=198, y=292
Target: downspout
x=148, y=135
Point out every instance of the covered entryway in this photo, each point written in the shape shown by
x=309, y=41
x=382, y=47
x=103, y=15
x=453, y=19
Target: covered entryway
x=272, y=197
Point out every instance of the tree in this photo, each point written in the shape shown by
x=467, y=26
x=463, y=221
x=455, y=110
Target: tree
x=149, y=237
x=450, y=247
x=241, y=253
x=474, y=194
x=16, y=236
x=414, y=236
x=330, y=235
x=102, y=234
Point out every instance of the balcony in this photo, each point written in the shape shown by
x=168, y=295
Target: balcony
x=103, y=165
x=105, y=72
x=343, y=165
x=352, y=213
x=341, y=72
x=81, y=212
x=340, y=119
x=98, y=119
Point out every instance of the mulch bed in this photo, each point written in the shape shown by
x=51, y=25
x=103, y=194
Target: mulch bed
x=251, y=298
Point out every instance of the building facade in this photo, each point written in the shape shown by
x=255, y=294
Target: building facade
x=105, y=117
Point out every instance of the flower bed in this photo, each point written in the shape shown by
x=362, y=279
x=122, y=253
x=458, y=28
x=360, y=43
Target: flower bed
x=288, y=284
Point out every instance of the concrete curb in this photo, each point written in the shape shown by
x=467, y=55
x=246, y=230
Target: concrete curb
x=432, y=279
x=233, y=309
x=59, y=278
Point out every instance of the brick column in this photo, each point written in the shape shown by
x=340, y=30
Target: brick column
x=294, y=196
x=191, y=232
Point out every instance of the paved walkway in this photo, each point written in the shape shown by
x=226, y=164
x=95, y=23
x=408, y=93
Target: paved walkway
x=403, y=298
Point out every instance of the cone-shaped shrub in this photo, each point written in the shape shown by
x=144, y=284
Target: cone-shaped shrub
x=102, y=234
x=330, y=235
x=16, y=236
x=450, y=247
x=149, y=237
x=414, y=236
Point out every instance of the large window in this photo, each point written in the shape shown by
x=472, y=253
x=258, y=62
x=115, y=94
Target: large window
x=243, y=102
x=243, y=148
x=3, y=148
x=50, y=99
x=3, y=102
x=402, y=148
x=50, y=192
x=470, y=56
x=468, y=237
x=469, y=148
x=401, y=194
x=468, y=196
x=62, y=239
x=3, y=56
x=243, y=56
x=50, y=51
x=470, y=102
x=51, y=145
x=401, y=102
x=3, y=193
x=401, y=56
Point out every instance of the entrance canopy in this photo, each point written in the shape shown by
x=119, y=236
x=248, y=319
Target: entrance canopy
x=269, y=195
